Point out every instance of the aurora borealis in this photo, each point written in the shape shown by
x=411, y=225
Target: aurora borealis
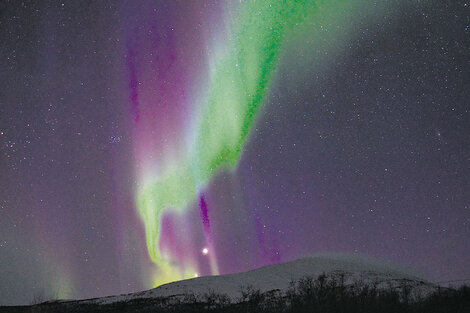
x=152, y=141
x=238, y=79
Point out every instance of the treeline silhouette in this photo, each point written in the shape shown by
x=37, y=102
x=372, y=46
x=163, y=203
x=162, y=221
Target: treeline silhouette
x=322, y=294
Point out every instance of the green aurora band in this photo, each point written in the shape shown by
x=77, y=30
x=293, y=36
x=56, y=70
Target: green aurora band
x=238, y=85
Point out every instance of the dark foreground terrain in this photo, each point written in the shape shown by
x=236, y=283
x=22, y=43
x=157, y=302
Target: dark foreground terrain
x=323, y=294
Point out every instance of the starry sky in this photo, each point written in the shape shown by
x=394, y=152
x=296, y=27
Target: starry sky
x=146, y=142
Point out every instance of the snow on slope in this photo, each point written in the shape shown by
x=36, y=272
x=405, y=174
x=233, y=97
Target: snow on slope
x=279, y=276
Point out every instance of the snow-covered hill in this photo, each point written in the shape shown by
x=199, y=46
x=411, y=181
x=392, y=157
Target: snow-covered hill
x=279, y=276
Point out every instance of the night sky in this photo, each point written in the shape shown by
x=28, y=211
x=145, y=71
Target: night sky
x=143, y=142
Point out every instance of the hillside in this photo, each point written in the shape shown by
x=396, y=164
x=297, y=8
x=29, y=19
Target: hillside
x=279, y=276
x=321, y=281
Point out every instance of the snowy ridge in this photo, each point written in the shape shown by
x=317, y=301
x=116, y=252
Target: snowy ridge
x=279, y=276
